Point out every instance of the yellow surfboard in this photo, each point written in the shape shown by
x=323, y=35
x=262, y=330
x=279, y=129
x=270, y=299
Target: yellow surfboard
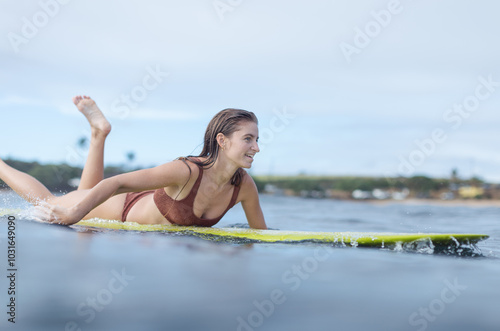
x=244, y=235
x=362, y=239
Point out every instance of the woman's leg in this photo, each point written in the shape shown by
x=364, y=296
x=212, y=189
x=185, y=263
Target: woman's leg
x=93, y=171
x=23, y=184
x=33, y=191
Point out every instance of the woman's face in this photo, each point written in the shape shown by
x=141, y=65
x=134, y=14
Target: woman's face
x=242, y=146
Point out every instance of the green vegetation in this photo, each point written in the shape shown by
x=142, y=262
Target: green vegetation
x=418, y=183
x=55, y=177
x=419, y=186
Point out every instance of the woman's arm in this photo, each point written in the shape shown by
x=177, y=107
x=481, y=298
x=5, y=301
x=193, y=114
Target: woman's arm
x=168, y=174
x=251, y=204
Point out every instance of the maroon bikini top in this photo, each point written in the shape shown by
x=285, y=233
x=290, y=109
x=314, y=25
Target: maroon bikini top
x=180, y=212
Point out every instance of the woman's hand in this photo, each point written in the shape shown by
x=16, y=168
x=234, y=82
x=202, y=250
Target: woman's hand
x=46, y=212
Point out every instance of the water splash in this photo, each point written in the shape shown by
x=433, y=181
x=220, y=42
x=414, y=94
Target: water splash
x=426, y=246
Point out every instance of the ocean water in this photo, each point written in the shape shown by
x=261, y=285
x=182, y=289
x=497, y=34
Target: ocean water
x=116, y=280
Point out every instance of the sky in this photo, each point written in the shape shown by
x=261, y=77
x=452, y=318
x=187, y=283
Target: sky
x=365, y=88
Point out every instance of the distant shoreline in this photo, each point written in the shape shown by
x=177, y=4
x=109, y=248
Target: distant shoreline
x=437, y=202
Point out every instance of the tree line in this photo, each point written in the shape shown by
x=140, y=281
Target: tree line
x=418, y=185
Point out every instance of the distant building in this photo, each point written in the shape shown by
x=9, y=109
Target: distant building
x=361, y=195
x=401, y=195
x=380, y=194
x=273, y=190
x=470, y=192
x=447, y=195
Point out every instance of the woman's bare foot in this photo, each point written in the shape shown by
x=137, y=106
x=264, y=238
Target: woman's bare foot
x=94, y=115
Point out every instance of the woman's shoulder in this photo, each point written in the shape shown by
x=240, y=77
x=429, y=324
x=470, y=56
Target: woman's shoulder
x=247, y=181
x=182, y=169
x=248, y=188
x=192, y=160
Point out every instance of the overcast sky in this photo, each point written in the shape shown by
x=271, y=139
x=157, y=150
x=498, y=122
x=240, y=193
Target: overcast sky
x=379, y=88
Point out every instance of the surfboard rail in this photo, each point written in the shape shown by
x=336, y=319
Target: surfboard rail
x=362, y=239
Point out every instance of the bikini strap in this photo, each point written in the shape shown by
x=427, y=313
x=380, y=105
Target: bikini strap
x=183, y=159
x=236, y=191
x=234, y=197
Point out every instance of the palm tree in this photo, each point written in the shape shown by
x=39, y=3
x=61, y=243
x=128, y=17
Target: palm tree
x=130, y=158
x=82, y=142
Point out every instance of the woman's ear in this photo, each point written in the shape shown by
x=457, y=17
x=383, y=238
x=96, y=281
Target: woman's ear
x=221, y=140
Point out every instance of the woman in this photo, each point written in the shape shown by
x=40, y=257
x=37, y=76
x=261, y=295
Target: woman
x=187, y=191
